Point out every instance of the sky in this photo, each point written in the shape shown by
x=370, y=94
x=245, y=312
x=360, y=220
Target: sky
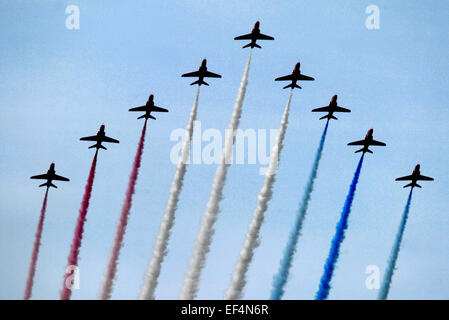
x=57, y=85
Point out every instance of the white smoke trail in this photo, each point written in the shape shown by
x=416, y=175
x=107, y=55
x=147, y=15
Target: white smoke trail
x=197, y=261
x=160, y=248
x=238, y=279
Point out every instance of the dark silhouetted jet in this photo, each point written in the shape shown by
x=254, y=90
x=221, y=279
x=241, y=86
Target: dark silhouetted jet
x=49, y=176
x=368, y=141
x=331, y=108
x=99, y=138
x=201, y=74
x=293, y=77
x=254, y=36
x=148, y=108
x=415, y=176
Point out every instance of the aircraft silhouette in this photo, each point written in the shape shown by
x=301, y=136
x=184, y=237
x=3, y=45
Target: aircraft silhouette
x=99, y=138
x=49, y=176
x=293, y=77
x=148, y=108
x=414, y=177
x=254, y=36
x=201, y=74
x=331, y=108
x=368, y=141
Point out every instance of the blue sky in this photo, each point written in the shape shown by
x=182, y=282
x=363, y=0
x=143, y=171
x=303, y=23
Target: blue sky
x=57, y=85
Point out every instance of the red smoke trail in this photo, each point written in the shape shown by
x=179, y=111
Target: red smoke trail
x=37, y=243
x=78, y=236
x=106, y=289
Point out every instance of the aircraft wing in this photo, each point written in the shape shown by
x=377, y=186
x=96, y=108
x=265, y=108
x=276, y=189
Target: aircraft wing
x=158, y=109
x=248, y=36
x=191, y=74
x=141, y=108
x=304, y=77
x=377, y=143
x=322, y=109
x=91, y=138
x=340, y=109
x=209, y=74
x=357, y=143
x=40, y=176
x=264, y=37
x=60, y=178
x=107, y=139
x=420, y=177
x=410, y=177
x=288, y=77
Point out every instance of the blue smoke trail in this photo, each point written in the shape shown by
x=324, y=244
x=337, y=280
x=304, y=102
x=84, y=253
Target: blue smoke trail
x=383, y=293
x=280, y=279
x=339, y=236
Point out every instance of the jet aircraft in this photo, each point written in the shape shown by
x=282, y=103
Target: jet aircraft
x=148, y=108
x=201, y=74
x=294, y=77
x=99, y=138
x=49, y=176
x=368, y=141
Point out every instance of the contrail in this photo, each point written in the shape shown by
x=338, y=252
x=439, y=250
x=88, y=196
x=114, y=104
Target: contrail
x=106, y=288
x=383, y=293
x=280, y=279
x=35, y=253
x=238, y=279
x=72, y=260
x=160, y=248
x=197, y=261
x=339, y=236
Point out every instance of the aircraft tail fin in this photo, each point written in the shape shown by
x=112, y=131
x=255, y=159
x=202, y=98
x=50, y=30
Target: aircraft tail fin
x=198, y=82
x=329, y=117
x=363, y=150
x=252, y=45
x=48, y=184
x=292, y=86
x=98, y=146
x=146, y=117
x=411, y=184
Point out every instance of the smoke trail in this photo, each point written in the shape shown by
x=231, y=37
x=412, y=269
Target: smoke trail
x=238, y=279
x=197, y=261
x=339, y=236
x=35, y=253
x=106, y=289
x=385, y=288
x=78, y=235
x=160, y=248
x=280, y=279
